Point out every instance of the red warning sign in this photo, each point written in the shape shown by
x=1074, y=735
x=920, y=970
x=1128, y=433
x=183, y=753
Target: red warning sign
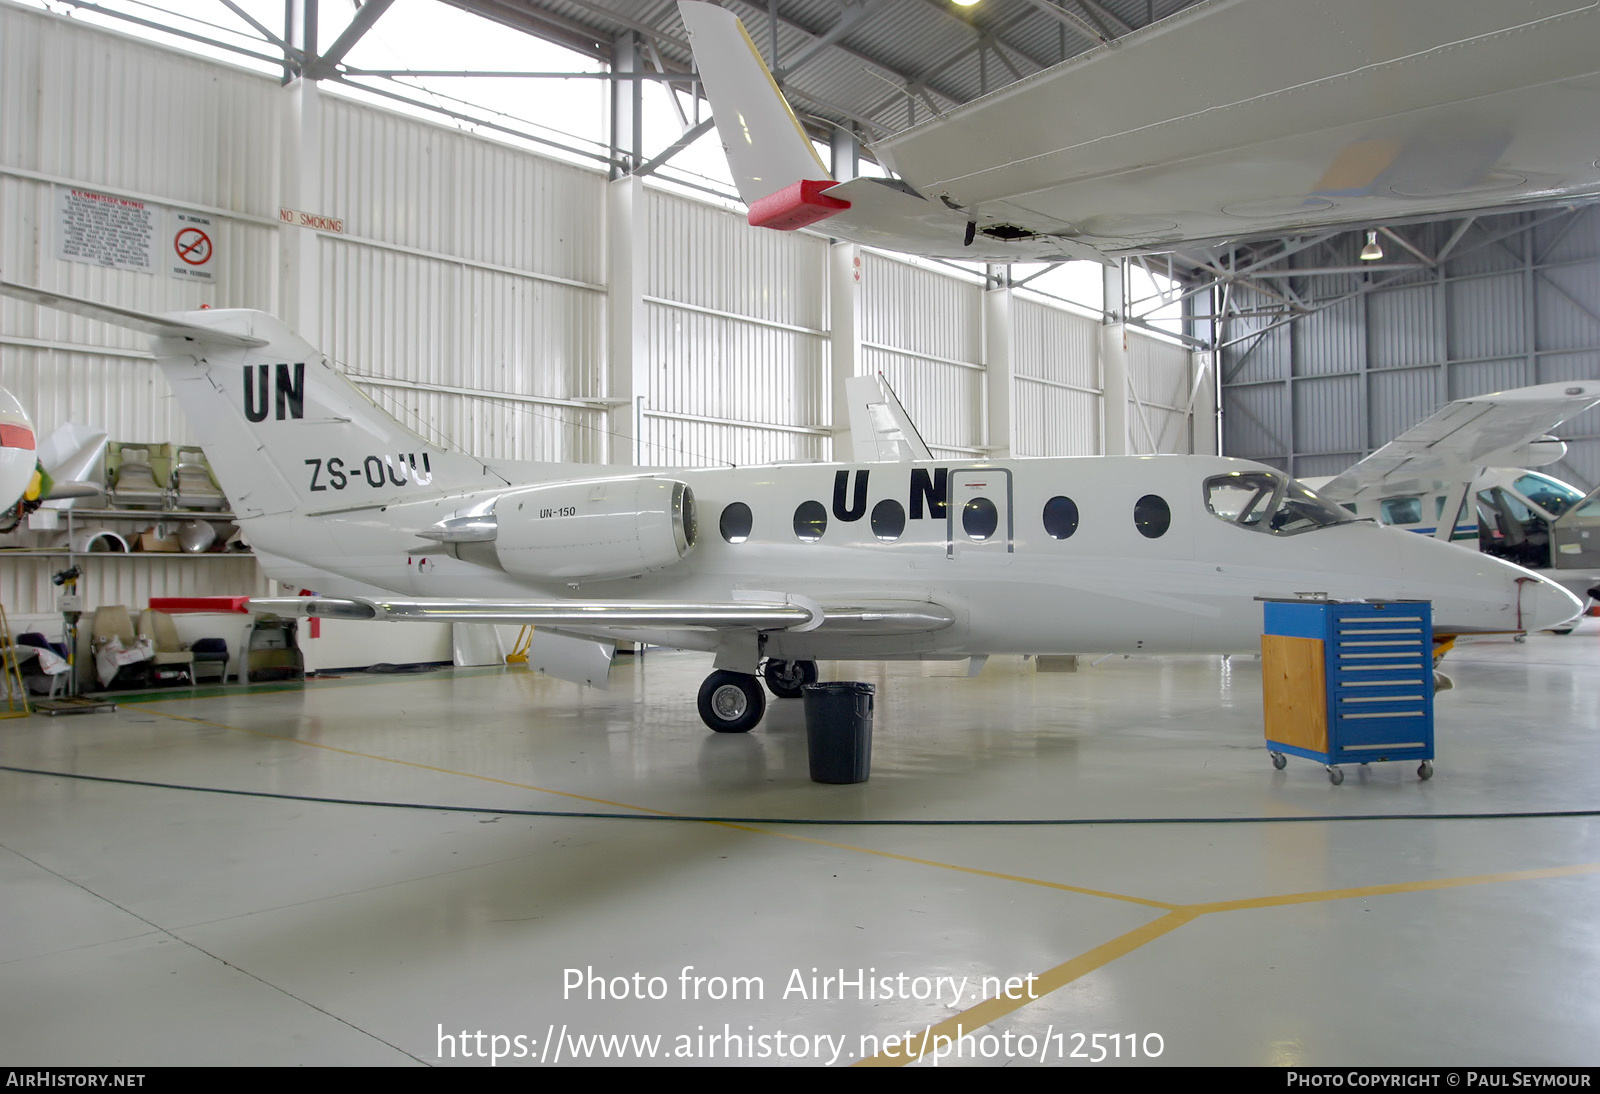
x=193, y=246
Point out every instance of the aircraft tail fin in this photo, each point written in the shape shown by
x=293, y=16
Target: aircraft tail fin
x=880, y=428
x=778, y=172
x=283, y=429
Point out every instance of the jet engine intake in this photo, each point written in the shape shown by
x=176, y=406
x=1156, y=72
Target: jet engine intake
x=591, y=530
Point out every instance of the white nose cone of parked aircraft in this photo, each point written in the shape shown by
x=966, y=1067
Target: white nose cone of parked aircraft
x=1473, y=592
x=17, y=455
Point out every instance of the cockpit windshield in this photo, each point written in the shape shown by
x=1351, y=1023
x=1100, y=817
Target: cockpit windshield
x=1552, y=495
x=1265, y=501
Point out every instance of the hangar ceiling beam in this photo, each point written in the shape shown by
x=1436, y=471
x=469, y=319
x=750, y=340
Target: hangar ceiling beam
x=984, y=34
x=1102, y=16
x=289, y=51
x=690, y=135
x=552, y=28
x=849, y=17
x=366, y=15
x=1390, y=233
x=177, y=32
x=1095, y=35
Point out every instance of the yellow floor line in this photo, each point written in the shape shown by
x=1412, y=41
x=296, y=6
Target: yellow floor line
x=1392, y=888
x=1059, y=977
x=1060, y=886
x=977, y=1017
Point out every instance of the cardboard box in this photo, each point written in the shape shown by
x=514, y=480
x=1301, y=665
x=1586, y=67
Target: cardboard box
x=149, y=541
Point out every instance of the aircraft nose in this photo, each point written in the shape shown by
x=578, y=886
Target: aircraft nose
x=1544, y=604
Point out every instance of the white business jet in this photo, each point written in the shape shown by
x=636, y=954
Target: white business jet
x=1229, y=119
x=772, y=568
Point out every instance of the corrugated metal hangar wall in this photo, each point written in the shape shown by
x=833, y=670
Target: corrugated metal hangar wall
x=494, y=300
x=1514, y=300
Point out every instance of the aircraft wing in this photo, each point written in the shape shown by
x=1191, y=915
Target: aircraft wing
x=1231, y=118
x=794, y=613
x=1503, y=429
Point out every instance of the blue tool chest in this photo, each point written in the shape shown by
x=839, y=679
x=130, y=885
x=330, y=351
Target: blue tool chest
x=1348, y=682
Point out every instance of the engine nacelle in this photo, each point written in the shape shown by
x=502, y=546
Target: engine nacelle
x=592, y=530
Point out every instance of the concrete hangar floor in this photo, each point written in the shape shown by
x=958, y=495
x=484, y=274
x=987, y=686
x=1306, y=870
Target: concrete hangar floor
x=168, y=924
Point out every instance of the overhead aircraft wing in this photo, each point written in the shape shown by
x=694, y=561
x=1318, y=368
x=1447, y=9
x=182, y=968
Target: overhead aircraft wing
x=1231, y=118
x=1502, y=429
x=880, y=429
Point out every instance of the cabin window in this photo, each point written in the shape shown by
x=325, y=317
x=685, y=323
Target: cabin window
x=810, y=521
x=979, y=518
x=1402, y=510
x=888, y=520
x=736, y=522
x=1060, y=517
x=1152, y=516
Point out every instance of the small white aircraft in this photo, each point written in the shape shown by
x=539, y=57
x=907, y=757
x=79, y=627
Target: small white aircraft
x=1230, y=119
x=1463, y=474
x=33, y=473
x=772, y=568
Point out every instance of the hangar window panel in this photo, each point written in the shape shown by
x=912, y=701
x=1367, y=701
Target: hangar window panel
x=979, y=518
x=810, y=521
x=888, y=520
x=1060, y=517
x=1152, y=516
x=736, y=522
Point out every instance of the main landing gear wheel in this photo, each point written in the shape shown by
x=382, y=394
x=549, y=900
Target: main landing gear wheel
x=785, y=678
x=731, y=702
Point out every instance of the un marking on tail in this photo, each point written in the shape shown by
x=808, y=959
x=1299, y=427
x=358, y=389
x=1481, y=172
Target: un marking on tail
x=289, y=389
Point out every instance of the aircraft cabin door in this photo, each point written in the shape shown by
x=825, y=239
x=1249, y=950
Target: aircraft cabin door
x=1575, y=536
x=978, y=522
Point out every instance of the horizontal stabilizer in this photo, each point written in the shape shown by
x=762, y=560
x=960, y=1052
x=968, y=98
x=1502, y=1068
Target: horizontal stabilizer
x=144, y=322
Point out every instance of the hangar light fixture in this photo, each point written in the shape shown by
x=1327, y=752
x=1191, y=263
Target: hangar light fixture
x=1372, y=251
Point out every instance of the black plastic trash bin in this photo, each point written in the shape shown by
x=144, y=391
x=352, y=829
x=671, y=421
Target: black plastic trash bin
x=839, y=730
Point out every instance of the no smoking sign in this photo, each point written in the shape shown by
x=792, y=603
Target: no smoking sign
x=192, y=248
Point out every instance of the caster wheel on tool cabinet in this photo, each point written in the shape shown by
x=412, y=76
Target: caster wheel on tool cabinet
x=1279, y=760
x=1425, y=770
x=1335, y=776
